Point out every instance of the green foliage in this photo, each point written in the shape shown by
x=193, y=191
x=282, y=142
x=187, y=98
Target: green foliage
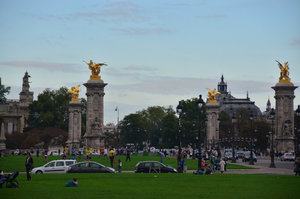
x=3, y=91
x=192, y=120
x=51, y=109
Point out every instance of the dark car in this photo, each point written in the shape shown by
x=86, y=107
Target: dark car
x=90, y=167
x=153, y=167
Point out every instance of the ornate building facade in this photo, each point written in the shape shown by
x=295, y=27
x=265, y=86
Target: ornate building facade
x=15, y=112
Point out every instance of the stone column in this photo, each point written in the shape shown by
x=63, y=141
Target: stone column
x=94, y=113
x=74, y=133
x=284, y=116
x=2, y=139
x=212, y=128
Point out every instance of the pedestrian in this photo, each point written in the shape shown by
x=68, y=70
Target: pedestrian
x=128, y=155
x=161, y=157
x=37, y=153
x=72, y=183
x=212, y=161
x=112, y=157
x=297, y=167
x=222, y=166
x=119, y=165
x=46, y=154
x=28, y=165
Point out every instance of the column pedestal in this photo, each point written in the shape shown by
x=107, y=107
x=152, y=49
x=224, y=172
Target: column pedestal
x=284, y=117
x=74, y=133
x=94, y=136
x=212, y=128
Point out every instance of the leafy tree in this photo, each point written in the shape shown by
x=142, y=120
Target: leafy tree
x=153, y=118
x=192, y=121
x=132, y=130
x=3, y=91
x=51, y=109
x=169, y=131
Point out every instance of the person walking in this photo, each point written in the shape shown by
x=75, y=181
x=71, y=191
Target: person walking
x=28, y=165
x=297, y=167
x=112, y=157
x=119, y=165
x=222, y=166
x=128, y=155
x=37, y=153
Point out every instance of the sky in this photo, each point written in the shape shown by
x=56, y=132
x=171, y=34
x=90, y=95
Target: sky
x=157, y=52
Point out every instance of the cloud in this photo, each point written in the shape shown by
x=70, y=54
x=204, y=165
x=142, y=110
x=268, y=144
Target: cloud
x=69, y=67
x=140, y=68
x=141, y=31
x=216, y=16
x=295, y=43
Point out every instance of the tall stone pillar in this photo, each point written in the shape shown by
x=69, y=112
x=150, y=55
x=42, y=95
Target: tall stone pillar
x=74, y=133
x=94, y=113
x=2, y=139
x=284, y=116
x=212, y=128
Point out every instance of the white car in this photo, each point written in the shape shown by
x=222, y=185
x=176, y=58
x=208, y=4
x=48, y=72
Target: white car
x=55, y=166
x=54, y=153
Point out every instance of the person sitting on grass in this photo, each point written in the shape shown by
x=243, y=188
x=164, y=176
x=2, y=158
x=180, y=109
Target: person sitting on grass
x=72, y=183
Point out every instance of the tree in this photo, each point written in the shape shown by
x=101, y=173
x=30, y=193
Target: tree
x=51, y=109
x=132, y=130
x=3, y=91
x=169, y=131
x=153, y=118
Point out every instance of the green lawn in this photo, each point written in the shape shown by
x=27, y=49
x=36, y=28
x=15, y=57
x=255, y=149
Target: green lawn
x=155, y=186
x=16, y=163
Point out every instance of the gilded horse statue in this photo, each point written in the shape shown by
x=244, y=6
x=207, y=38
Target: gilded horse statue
x=95, y=68
x=284, y=74
x=212, y=96
x=75, y=93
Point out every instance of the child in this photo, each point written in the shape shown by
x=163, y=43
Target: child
x=72, y=183
x=119, y=165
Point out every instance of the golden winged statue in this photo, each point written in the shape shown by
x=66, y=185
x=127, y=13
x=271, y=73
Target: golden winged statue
x=75, y=93
x=284, y=74
x=212, y=96
x=95, y=68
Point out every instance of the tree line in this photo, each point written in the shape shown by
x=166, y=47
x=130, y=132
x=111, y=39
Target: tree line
x=155, y=126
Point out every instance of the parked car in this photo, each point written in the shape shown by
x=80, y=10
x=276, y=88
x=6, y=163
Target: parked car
x=240, y=154
x=287, y=157
x=153, y=167
x=54, y=153
x=228, y=156
x=55, y=166
x=247, y=156
x=90, y=167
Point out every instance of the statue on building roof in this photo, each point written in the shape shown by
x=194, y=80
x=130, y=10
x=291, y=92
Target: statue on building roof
x=212, y=96
x=75, y=93
x=284, y=74
x=95, y=68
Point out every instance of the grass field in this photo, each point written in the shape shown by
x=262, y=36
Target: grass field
x=16, y=163
x=156, y=186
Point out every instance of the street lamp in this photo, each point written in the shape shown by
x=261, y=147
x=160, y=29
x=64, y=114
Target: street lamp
x=118, y=135
x=272, y=116
x=200, y=103
x=297, y=132
x=251, y=141
x=233, y=160
x=179, y=111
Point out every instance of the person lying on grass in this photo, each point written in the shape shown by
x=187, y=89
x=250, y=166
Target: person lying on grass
x=72, y=183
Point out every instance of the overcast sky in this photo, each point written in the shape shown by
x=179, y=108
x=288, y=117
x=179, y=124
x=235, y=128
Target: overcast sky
x=158, y=52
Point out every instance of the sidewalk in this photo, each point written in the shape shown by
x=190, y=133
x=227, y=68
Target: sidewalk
x=260, y=170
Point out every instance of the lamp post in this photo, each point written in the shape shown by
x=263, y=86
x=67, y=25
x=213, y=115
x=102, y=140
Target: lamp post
x=118, y=136
x=179, y=111
x=251, y=141
x=200, y=103
x=297, y=132
x=233, y=160
x=272, y=116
